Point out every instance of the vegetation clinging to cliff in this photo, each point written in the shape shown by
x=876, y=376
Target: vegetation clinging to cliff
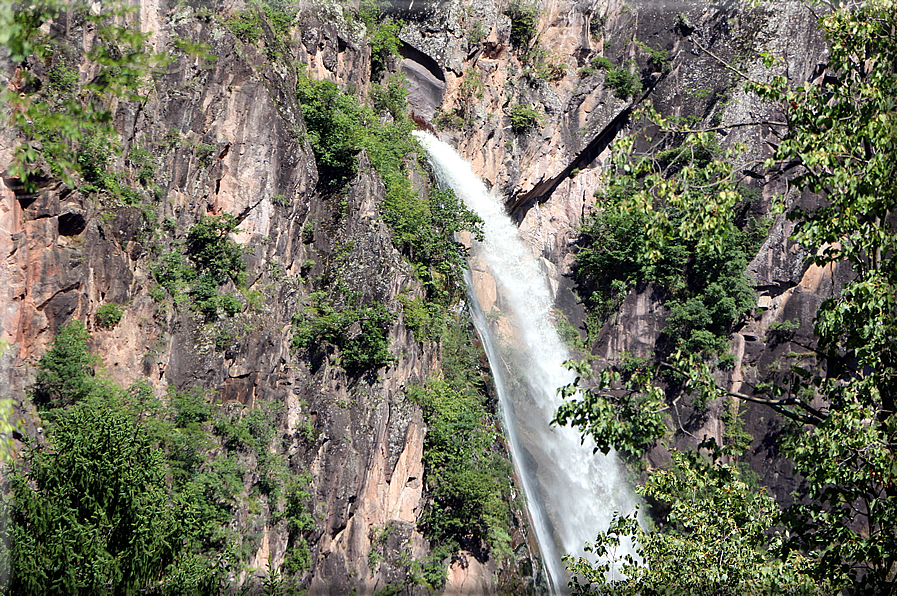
x=840, y=536
x=359, y=331
x=212, y=259
x=705, y=287
x=424, y=224
x=524, y=19
x=467, y=470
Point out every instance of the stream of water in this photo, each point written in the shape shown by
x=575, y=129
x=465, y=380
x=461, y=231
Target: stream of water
x=571, y=493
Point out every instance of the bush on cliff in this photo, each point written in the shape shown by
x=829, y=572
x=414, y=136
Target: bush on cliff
x=424, y=224
x=132, y=493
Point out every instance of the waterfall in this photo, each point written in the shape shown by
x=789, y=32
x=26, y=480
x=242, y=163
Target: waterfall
x=571, y=493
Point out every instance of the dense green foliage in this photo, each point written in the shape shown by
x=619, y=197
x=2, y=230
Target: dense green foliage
x=332, y=119
x=840, y=536
x=466, y=470
x=658, y=59
x=212, y=251
x=595, y=64
x=57, y=118
x=714, y=541
x=280, y=15
x=524, y=118
x=706, y=289
x=65, y=371
x=109, y=315
x=132, y=492
x=620, y=410
x=92, y=514
x=341, y=320
x=424, y=226
x=624, y=83
x=524, y=18
x=385, y=42
x=95, y=156
x=209, y=260
x=382, y=33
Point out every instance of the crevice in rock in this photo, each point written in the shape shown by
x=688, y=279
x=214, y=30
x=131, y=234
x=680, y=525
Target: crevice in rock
x=63, y=290
x=411, y=53
x=72, y=222
x=518, y=204
x=776, y=289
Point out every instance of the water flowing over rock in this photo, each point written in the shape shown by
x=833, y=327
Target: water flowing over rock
x=572, y=492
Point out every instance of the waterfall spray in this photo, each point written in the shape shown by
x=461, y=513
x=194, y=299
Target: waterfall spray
x=571, y=493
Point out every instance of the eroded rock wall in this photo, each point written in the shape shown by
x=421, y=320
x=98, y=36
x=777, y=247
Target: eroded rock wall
x=66, y=254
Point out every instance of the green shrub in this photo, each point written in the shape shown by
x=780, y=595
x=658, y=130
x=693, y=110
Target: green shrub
x=247, y=24
x=524, y=118
x=281, y=15
x=425, y=319
x=358, y=331
x=332, y=119
x=385, y=42
x=595, y=64
x=94, y=156
x=596, y=24
x=466, y=469
x=109, y=315
x=59, y=121
x=624, y=83
x=92, y=513
x=477, y=33
x=143, y=484
x=204, y=154
x=540, y=65
x=213, y=252
x=467, y=478
x=524, y=18
x=658, y=59
x=144, y=162
x=391, y=96
x=63, y=79
x=65, y=371
x=211, y=259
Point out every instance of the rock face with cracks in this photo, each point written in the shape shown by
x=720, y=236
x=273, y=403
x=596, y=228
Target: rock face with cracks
x=229, y=138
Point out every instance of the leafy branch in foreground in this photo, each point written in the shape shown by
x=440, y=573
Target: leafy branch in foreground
x=57, y=113
x=841, y=425
x=676, y=216
x=714, y=540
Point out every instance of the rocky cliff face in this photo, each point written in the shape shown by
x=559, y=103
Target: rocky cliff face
x=549, y=172
x=226, y=136
x=67, y=254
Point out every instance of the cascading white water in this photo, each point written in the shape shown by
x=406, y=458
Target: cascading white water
x=571, y=493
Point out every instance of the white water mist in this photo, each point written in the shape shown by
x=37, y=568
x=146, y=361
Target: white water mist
x=571, y=493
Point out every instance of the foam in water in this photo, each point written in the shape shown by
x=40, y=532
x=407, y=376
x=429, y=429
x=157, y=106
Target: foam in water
x=571, y=493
